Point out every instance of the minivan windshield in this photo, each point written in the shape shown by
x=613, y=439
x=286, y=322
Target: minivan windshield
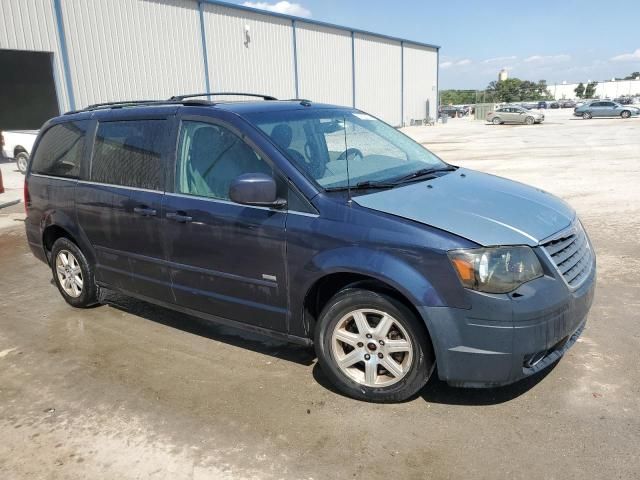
x=344, y=147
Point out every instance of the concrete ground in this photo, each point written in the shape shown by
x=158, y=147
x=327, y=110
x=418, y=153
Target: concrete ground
x=128, y=390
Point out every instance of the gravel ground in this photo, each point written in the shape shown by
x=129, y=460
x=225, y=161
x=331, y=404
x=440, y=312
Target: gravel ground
x=128, y=390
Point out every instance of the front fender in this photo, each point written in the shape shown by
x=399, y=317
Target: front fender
x=380, y=265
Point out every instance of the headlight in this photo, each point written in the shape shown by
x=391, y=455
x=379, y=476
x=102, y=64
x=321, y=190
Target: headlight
x=496, y=269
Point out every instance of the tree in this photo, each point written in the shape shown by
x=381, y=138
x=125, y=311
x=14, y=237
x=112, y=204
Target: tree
x=590, y=90
x=457, y=97
x=579, y=90
x=514, y=89
x=633, y=76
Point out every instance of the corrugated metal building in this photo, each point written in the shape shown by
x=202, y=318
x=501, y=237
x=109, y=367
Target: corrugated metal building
x=113, y=50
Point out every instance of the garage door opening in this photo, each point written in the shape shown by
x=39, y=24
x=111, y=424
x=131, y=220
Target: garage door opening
x=27, y=89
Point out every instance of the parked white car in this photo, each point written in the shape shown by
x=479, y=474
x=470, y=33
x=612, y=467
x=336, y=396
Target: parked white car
x=17, y=144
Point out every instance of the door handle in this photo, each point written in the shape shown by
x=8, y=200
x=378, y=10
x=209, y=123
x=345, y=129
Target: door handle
x=179, y=217
x=145, y=212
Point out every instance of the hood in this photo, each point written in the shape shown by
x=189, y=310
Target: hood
x=483, y=208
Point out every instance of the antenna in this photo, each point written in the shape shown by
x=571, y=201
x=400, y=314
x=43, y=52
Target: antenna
x=346, y=158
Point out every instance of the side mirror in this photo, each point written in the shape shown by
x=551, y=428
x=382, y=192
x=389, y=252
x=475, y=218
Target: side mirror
x=255, y=189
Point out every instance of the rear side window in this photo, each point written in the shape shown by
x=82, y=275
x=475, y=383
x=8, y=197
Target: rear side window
x=59, y=152
x=129, y=153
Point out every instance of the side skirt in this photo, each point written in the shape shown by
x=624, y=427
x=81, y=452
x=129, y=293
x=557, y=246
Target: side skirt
x=307, y=342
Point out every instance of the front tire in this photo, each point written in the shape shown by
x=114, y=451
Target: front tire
x=496, y=121
x=587, y=115
x=372, y=347
x=22, y=160
x=625, y=114
x=529, y=120
x=73, y=274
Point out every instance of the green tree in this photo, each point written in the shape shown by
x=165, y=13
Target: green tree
x=579, y=90
x=633, y=76
x=590, y=91
x=457, y=97
x=514, y=90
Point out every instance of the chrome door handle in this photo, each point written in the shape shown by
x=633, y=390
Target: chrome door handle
x=145, y=212
x=179, y=217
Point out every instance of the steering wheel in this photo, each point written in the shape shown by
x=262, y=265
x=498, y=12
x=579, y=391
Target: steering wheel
x=351, y=153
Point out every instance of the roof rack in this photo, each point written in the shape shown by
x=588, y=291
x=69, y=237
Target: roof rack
x=235, y=94
x=175, y=100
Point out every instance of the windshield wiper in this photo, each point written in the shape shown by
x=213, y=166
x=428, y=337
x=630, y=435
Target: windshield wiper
x=367, y=184
x=423, y=172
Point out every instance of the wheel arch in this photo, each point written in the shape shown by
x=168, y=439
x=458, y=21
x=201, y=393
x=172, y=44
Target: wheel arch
x=19, y=149
x=53, y=229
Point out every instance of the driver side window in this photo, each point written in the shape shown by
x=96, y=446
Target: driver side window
x=210, y=157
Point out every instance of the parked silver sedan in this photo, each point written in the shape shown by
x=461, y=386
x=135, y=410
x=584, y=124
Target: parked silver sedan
x=605, y=108
x=511, y=114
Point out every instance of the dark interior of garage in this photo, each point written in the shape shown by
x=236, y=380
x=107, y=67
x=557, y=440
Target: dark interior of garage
x=27, y=90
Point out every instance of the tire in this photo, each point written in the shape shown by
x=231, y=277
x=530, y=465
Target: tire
x=625, y=114
x=81, y=290
x=529, y=120
x=587, y=115
x=22, y=161
x=363, y=374
x=496, y=121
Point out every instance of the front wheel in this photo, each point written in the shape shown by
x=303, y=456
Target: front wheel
x=625, y=114
x=496, y=121
x=372, y=347
x=529, y=120
x=22, y=160
x=586, y=115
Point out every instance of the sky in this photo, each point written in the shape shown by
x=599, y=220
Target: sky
x=561, y=40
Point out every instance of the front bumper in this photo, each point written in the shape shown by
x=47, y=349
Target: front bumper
x=504, y=338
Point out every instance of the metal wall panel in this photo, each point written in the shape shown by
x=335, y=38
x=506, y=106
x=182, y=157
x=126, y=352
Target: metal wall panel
x=324, y=64
x=30, y=25
x=378, y=77
x=262, y=65
x=420, y=82
x=124, y=49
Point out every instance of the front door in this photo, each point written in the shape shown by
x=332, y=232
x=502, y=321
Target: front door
x=225, y=259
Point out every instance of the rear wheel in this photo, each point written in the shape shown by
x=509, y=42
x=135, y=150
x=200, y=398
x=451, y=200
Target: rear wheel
x=372, y=347
x=586, y=115
x=73, y=274
x=22, y=160
x=625, y=114
x=496, y=121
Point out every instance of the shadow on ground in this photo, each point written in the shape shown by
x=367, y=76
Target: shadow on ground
x=203, y=328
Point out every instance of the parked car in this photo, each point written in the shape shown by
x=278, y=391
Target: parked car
x=542, y=104
x=567, y=104
x=452, y=111
x=512, y=114
x=309, y=222
x=624, y=100
x=601, y=108
x=554, y=105
x=17, y=144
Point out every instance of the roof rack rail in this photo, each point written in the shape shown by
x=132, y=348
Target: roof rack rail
x=240, y=94
x=133, y=103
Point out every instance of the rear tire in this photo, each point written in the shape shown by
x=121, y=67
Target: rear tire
x=73, y=274
x=625, y=114
x=372, y=347
x=587, y=115
x=496, y=121
x=22, y=161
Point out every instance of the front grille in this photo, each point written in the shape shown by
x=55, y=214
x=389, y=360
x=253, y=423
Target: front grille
x=571, y=255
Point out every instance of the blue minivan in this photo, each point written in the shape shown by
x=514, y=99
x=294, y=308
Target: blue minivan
x=317, y=224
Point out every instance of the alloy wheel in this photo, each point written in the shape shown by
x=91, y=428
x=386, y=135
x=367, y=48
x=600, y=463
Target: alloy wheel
x=372, y=348
x=69, y=273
